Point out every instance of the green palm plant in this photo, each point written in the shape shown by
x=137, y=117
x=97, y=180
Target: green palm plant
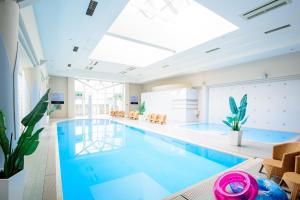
x=142, y=108
x=237, y=117
x=27, y=143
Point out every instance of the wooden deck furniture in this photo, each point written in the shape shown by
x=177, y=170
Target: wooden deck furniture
x=133, y=115
x=153, y=118
x=162, y=119
x=283, y=159
x=292, y=180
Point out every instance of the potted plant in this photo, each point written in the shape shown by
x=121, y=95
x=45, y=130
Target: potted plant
x=236, y=120
x=142, y=110
x=12, y=174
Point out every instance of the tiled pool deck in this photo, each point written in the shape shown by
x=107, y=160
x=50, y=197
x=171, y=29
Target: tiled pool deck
x=42, y=182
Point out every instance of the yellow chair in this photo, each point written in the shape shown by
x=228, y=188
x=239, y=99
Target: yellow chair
x=162, y=119
x=135, y=116
x=153, y=118
x=292, y=180
x=112, y=113
x=283, y=159
x=130, y=114
x=121, y=114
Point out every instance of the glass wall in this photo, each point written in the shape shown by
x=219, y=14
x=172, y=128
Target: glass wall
x=94, y=97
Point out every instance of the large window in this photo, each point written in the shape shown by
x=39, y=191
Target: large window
x=94, y=97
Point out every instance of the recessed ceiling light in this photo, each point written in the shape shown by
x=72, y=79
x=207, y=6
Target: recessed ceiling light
x=131, y=68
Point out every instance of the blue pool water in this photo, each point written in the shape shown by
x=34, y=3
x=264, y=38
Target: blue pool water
x=102, y=159
x=253, y=134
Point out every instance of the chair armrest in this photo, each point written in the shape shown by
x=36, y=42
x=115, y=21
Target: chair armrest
x=279, y=150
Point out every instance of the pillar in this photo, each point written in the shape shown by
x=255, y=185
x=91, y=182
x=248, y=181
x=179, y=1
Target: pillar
x=9, y=19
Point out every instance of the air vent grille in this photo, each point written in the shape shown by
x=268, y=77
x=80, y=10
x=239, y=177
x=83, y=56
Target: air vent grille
x=271, y=5
x=91, y=8
x=123, y=72
x=75, y=49
x=131, y=68
x=277, y=29
x=215, y=49
x=165, y=66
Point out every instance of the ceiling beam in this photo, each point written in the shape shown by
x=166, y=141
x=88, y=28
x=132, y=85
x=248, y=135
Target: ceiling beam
x=140, y=42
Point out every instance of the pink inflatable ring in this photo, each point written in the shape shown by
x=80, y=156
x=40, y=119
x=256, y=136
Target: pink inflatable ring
x=242, y=185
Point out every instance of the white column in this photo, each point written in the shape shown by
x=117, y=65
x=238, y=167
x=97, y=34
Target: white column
x=9, y=19
x=71, y=98
x=90, y=107
x=204, y=104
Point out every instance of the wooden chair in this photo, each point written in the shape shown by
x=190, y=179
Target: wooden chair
x=121, y=114
x=135, y=115
x=292, y=180
x=130, y=114
x=112, y=113
x=149, y=116
x=153, y=118
x=283, y=159
x=162, y=119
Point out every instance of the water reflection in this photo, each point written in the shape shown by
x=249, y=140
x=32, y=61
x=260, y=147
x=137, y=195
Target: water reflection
x=86, y=137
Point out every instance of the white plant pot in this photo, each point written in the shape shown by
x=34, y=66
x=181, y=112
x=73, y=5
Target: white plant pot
x=13, y=187
x=235, y=137
x=142, y=118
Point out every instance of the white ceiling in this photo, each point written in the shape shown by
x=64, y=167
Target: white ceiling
x=63, y=25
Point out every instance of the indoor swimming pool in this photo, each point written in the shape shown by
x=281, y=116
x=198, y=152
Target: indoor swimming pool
x=253, y=134
x=103, y=159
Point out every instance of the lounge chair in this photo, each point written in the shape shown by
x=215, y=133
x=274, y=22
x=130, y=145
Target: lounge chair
x=112, y=113
x=283, y=159
x=130, y=114
x=121, y=114
x=135, y=116
x=149, y=116
x=153, y=118
x=162, y=119
x=292, y=179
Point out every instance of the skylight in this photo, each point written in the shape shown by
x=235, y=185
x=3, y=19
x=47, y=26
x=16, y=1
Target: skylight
x=122, y=51
x=169, y=26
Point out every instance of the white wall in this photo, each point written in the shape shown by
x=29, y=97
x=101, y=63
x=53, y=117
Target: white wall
x=60, y=84
x=279, y=66
x=180, y=105
x=272, y=105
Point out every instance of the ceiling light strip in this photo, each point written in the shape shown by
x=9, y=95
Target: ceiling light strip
x=215, y=49
x=140, y=42
x=277, y=29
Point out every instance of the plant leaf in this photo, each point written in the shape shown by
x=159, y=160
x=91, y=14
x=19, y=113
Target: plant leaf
x=3, y=138
x=227, y=123
x=242, y=114
x=233, y=106
x=243, y=103
x=38, y=111
x=245, y=120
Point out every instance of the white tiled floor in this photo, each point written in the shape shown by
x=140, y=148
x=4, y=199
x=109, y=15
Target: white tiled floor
x=41, y=180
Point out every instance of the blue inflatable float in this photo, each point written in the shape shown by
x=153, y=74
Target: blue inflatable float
x=269, y=190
